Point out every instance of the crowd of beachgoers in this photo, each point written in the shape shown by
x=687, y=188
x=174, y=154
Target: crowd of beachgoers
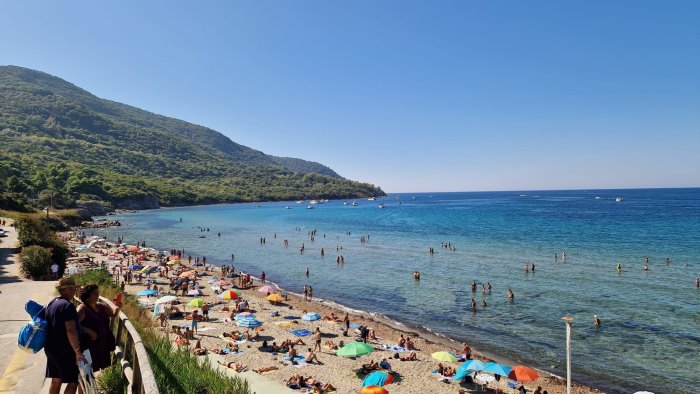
x=244, y=323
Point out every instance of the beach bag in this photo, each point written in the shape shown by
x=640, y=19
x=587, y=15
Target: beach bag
x=32, y=337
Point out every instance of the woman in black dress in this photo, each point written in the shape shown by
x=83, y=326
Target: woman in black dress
x=94, y=320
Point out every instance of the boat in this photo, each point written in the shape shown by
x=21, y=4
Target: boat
x=201, y=236
x=597, y=197
x=313, y=202
x=371, y=199
x=618, y=199
x=287, y=207
x=310, y=207
x=381, y=205
x=345, y=203
x=354, y=203
x=300, y=202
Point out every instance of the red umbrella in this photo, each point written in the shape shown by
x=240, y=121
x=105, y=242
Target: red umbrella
x=522, y=373
x=373, y=390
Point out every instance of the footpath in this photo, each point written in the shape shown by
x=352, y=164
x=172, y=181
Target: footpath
x=21, y=372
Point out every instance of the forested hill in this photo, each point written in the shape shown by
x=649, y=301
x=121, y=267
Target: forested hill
x=59, y=141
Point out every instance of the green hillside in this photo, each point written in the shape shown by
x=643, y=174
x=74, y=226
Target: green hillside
x=59, y=143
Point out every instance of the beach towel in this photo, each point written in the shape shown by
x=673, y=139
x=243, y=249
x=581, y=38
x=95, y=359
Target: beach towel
x=299, y=361
x=204, y=329
x=442, y=377
x=301, y=333
x=290, y=317
x=352, y=325
x=229, y=351
x=394, y=348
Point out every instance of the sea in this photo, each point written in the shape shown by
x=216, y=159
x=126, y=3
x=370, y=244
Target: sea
x=649, y=338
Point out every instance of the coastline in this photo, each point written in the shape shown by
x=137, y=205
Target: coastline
x=426, y=338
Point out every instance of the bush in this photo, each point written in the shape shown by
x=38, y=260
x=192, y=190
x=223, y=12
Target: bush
x=36, y=261
x=110, y=380
x=37, y=230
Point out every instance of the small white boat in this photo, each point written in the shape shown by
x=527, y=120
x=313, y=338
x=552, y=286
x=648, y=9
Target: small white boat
x=310, y=207
x=354, y=203
x=597, y=197
x=345, y=203
x=287, y=207
x=381, y=205
x=371, y=199
x=300, y=202
x=313, y=202
x=618, y=199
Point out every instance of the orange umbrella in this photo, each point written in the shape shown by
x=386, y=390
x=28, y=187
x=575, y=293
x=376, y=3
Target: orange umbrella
x=174, y=258
x=133, y=248
x=373, y=390
x=274, y=297
x=189, y=274
x=522, y=373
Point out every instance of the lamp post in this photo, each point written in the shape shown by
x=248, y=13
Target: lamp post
x=569, y=322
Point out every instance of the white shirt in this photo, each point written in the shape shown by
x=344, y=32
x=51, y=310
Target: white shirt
x=54, y=268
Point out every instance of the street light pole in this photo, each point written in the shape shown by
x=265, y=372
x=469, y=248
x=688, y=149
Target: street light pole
x=569, y=322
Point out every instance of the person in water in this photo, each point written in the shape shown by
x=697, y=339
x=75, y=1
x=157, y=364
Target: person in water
x=596, y=320
x=511, y=296
x=646, y=267
x=473, y=305
x=619, y=268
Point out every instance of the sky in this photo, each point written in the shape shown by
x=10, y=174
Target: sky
x=408, y=95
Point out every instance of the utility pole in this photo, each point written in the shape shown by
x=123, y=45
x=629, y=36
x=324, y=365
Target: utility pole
x=569, y=322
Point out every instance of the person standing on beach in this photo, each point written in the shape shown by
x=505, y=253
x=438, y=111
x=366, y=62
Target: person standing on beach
x=311, y=293
x=195, y=317
x=62, y=346
x=317, y=339
x=262, y=277
x=306, y=290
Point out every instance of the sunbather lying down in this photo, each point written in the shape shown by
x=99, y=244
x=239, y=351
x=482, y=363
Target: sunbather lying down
x=411, y=357
x=266, y=369
x=297, y=381
x=238, y=367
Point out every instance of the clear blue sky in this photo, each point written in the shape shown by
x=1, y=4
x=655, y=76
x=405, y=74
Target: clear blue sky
x=412, y=96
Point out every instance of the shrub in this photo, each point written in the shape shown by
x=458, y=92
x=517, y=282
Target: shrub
x=110, y=380
x=36, y=261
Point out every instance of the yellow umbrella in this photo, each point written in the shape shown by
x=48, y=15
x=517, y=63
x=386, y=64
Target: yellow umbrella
x=197, y=302
x=444, y=356
x=292, y=323
x=274, y=297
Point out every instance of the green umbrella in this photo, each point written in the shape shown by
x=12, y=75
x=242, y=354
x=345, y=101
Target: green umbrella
x=197, y=302
x=355, y=349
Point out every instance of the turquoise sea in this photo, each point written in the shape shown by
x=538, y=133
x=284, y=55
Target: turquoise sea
x=650, y=333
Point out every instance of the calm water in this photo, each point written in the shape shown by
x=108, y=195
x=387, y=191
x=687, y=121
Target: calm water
x=650, y=335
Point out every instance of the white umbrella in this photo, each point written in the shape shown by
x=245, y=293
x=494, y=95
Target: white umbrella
x=166, y=299
x=193, y=293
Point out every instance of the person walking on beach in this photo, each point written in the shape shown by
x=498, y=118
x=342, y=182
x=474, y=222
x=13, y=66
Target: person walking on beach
x=311, y=293
x=317, y=339
x=62, y=346
x=262, y=277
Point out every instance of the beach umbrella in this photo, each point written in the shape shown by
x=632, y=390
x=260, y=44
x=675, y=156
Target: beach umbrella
x=193, y=293
x=147, y=293
x=166, y=299
x=311, y=316
x=186, y=274
x=467, y=368
x=228, y=295
x=197, y=302
x=173, y=262
x=445, y=356
x=377, y=378
x=134, y=267
x=267, y=289
x=245, y=316
x=248, y=323
x=132, y=248
x=373, y=390
x=355, y=349
x=522, y=373
x=497, y=369
x=274, y=297
x=174, y=258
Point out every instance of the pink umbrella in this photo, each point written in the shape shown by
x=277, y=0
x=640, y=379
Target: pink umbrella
x=267, y=289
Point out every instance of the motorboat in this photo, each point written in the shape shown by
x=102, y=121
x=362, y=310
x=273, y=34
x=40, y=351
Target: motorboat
x=309, y=207
x=371, y=199
x=618, y=199
x=354, y=203
x=300, y=202
x=381, y=205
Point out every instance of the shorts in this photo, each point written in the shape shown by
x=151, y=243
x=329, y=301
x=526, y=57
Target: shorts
x=194, y=323
x=61, y=365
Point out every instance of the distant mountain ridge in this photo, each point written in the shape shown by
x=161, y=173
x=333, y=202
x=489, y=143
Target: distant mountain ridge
x=96, y=148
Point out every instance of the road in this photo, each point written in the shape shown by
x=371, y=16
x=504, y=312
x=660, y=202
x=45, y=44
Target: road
x=22, y=372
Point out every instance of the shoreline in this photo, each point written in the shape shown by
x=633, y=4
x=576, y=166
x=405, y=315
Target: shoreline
x=433, y=339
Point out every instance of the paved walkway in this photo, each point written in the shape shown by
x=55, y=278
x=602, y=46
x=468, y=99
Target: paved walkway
x=22, y=372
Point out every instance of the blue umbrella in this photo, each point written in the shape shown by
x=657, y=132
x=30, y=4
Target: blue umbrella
x=246, y=316
x=146, y=293
x=497, y=369
x=377, y=378
x=311, y=316
x=135, y=267
x=248, y=323
x=468, y=367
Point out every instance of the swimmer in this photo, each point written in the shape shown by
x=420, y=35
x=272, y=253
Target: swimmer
x=619, y=268
x=483, y=303
x=596, y=321
x=488, y=286
x=511, y=295
x=646, y=267
x=473, y=286
x=697, y=283
x=473, y=305
x=527, y=268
